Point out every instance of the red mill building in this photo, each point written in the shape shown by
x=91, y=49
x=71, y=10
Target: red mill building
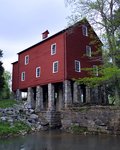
x=46, y=70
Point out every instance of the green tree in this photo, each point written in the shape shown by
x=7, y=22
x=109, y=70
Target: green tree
x=104, y=16
x=1, y=73
x=6, y=93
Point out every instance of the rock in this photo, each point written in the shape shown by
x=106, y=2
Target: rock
x=34, y=116
x=3, y=118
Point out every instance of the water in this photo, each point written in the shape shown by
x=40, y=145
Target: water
x=56, y=140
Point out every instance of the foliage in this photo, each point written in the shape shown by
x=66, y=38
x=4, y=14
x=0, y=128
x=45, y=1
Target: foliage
x=6, y=89
x=78, y=129
x=1, y=73
x=106, y=75
x=16, y=128
x=7, y=103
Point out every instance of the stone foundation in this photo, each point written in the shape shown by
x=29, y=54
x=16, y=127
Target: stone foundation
x=97, y=119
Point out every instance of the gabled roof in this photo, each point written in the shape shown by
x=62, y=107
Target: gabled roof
x=43, y=41
x=84, y=20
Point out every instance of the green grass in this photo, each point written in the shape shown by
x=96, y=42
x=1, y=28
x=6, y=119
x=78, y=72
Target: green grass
x=6, y=129
x=78, y=129
x=7, y=103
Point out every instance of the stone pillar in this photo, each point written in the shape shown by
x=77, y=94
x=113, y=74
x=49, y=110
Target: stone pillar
x=61, y=100
x=51, y=97
x=76, y=93
x=39, y=99
x=30, y=98
x=67, y=93
x=88, y=95
x=18, y=95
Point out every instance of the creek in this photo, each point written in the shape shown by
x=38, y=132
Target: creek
x=57, y=140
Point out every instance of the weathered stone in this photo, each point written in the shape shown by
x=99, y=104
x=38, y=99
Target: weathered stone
x=18, y=95
x=51, y=97
x=39, y=99
x=34, y=116
x=30, y=98
x=67, y=93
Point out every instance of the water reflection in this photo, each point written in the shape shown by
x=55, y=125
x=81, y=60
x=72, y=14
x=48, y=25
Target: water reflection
x=56, y=140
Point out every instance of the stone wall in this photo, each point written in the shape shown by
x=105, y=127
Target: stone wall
x=97, y=119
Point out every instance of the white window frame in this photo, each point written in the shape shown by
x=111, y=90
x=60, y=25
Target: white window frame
x=53, y=49
x=95, y=70
x=88, y=51
x=26, y=59
x=55, y=70
x=23, y=76
x=84, y=30
x=38, y=74
x=77, y=68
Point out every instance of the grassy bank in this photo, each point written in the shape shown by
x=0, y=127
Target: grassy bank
x=6, y=128
x=17, y=128
x=7, y=103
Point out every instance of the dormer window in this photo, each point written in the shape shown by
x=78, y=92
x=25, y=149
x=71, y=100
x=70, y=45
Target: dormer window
x=85, y=30
x=26, y=59
x=53, y=49
x=88, y=51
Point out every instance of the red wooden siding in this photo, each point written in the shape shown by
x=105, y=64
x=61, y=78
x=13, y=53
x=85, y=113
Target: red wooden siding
x=15, y=78
x=76, y=50
x=40, y=56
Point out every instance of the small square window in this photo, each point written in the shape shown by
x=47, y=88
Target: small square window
x=95, y=70
x=53, y=49
x=85, y=30
x=88, y=51
x=55, y=67
x=26, y=59
x=77, y=66
x=23, y=76
x=37, y=72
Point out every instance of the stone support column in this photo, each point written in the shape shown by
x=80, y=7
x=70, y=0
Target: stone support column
x=39, y=99
x=76, y=93
x=88, y=95
x=30, y=98
x=67, y=93
x=61, y=100
x=51, y=97
x=18, y=95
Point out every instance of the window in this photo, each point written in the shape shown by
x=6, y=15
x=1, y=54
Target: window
x=95, y=70
x=55, y=67
x=26, y=59
x=77, y=66
x=37, y=72
x=88, y=51
x=53, y=49
x=84, y=30
x=23, y=76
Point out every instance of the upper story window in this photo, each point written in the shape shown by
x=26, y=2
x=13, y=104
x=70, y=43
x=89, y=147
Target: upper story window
x=23, y=76
x=88, y=51
x=37, y=72
x=55, y=67
x=85, y=30
x=26, y=59
x=77, y=66
x=53, y=49
x=95, y=70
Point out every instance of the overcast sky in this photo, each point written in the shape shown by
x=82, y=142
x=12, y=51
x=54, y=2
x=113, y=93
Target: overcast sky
x=23, y=21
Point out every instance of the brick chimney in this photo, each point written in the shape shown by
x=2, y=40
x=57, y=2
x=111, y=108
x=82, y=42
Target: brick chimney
x=45, y=34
